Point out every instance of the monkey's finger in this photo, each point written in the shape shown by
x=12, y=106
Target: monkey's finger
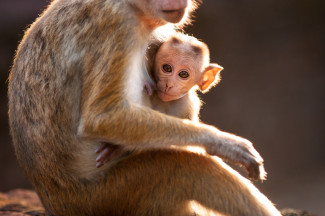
x=256, y=171
x=116, y=153
x=112, y=153
x=257, y=156
x=253, y=171
x=99, y=164
x=101, y=148
x=103, y=154
x=258, y=167
x=263, y=174
x=102, y=158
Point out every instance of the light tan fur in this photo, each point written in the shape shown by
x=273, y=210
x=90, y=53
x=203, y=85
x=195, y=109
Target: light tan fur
x=67, y=94
x=187, y=107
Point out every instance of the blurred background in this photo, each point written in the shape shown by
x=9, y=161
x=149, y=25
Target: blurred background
x=272, y=91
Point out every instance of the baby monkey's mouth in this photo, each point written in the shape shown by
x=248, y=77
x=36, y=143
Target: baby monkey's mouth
x=165, y=97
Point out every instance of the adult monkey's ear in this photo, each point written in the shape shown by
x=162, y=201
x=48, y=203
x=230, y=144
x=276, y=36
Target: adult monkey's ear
x=210, y=77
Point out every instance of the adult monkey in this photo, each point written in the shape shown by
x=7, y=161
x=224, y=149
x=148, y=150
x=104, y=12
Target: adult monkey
x=77, y=81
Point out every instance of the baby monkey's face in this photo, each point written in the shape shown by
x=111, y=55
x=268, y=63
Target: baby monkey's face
x=176, y=71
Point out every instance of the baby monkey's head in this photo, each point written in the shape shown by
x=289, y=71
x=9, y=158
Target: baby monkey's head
x=181, y=63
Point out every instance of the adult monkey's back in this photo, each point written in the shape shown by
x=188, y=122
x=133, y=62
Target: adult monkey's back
x=77, y=81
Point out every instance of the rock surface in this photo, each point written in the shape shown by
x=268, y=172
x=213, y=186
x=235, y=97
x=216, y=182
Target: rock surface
x=20, y=203
x=26, y=203
x=294, y=212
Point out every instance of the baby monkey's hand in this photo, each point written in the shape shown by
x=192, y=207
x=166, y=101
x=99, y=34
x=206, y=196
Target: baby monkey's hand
x=107, y=152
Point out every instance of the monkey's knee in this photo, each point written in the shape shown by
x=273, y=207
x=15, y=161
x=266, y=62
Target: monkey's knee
x=183, y=183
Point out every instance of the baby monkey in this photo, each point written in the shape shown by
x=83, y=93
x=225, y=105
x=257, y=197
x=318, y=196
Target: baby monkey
x=177, y=67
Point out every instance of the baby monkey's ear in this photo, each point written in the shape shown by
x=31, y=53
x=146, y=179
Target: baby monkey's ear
x=210, y=77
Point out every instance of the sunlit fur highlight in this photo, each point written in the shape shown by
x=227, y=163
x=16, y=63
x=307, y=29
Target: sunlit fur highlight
x=67, y=95
x=188, y=106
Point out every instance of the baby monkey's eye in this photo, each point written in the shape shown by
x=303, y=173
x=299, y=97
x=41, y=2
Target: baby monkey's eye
x=184, y=74
x=167, y=68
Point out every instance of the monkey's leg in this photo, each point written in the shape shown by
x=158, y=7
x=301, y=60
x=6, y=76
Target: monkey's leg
x=180, y=183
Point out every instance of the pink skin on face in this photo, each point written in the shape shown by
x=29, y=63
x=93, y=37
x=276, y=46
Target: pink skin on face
x=177, y=70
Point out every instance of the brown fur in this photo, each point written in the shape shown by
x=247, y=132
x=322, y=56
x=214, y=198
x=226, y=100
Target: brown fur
x=67, y=93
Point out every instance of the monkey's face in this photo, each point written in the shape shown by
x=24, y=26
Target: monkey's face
x=164, y=11
x=176, y=71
